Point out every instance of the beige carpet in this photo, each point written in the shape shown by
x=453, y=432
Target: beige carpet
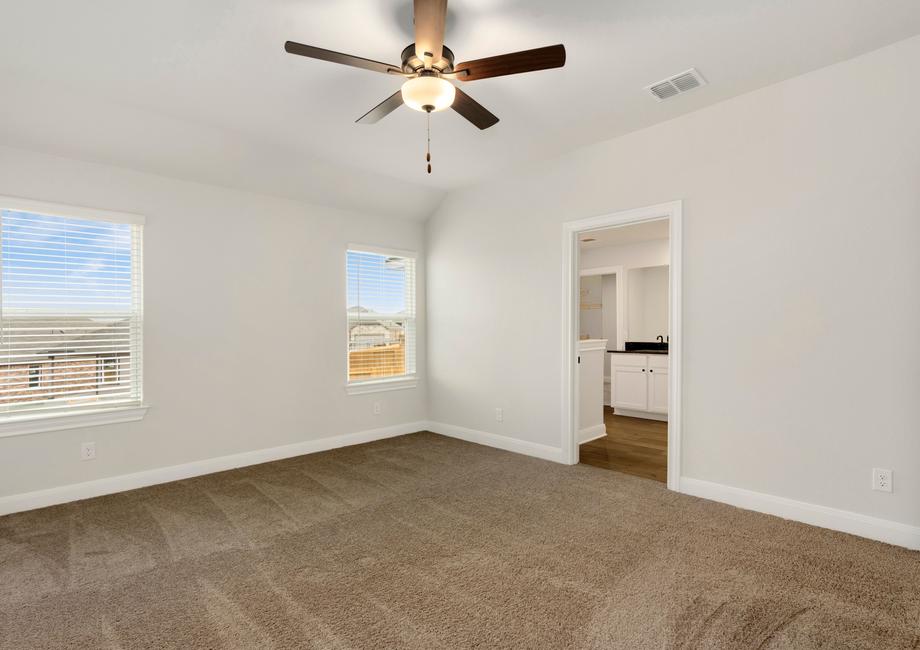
x=427, y=542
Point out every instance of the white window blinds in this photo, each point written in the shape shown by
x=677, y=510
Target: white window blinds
x=70, y=313
x=381, y=315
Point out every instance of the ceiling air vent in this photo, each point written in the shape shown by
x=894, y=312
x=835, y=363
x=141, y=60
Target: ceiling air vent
x=679, y=83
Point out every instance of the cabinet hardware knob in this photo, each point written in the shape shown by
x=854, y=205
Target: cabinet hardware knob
x=651, y=371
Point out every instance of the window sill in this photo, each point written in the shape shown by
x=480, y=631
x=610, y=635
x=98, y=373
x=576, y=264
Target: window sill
x=25, y=424
x=379, y=385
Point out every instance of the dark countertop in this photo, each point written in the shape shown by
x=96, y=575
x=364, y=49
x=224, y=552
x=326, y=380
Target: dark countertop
x=637, y=351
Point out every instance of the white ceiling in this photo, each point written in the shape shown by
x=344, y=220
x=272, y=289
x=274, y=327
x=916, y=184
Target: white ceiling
x=203, y=89
x=634, y=234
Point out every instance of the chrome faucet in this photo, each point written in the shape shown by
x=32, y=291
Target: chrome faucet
x=660, y=338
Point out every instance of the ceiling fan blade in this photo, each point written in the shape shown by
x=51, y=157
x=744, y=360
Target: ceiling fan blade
x=382, y=109
x=473, y=110
x=541, y=58
x=429, y=29
x=337, y=57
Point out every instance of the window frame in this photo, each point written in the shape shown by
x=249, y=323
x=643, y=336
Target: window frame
x=28, y=423
x=397, y=382
x=35, y=372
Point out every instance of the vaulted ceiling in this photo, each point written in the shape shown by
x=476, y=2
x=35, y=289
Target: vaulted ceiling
x=203, y=90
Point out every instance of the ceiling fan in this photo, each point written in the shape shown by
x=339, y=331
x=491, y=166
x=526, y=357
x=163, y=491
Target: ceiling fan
x=428, y=68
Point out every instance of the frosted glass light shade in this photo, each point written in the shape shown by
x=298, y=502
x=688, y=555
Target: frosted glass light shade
x=428, y=91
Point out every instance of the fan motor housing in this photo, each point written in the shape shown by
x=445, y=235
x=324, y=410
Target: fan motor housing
x=412, y=63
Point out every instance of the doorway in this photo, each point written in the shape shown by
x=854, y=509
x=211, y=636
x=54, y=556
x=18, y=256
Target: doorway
x=622, y=356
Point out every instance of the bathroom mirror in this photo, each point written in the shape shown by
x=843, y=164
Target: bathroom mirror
x=647, y=303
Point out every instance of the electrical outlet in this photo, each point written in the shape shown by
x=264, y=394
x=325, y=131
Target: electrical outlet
x=881, y=479
x=499, y=415
x=378, y=408
x=88, y=451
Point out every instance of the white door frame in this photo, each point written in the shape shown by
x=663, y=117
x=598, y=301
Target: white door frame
x=570, y=232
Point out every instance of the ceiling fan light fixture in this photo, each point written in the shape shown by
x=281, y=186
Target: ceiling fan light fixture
x=428, y=93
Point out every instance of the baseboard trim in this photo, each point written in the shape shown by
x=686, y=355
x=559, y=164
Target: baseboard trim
x=645, y=415
x=882, y=530
x=99, y=487
x=592, y=433
x=498, y=441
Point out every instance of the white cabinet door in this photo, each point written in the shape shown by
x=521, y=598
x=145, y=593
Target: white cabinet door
x=630, y=387
x=658, y=384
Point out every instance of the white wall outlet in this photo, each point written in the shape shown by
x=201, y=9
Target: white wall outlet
x=881, y=479
x=378, y=408
x=88, y=451
x=499, y=415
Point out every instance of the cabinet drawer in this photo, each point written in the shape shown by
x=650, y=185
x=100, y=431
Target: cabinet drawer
x=658, y=361
x=629, y=360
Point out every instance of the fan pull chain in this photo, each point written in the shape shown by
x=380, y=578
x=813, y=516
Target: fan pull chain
x=428, y=149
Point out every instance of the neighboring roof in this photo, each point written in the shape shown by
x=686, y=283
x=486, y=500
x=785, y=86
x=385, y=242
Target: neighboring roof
x=368, y=314
x=45, y=337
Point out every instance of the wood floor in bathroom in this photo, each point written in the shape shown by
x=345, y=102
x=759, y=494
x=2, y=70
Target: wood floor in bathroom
x=632, y=445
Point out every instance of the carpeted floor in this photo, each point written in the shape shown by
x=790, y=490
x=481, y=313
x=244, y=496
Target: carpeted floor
x=427, y=542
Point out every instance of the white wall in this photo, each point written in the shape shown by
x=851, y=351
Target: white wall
x=244, y=301
x=785, y=191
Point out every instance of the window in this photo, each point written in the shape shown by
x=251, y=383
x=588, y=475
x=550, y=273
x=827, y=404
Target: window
x=381, y=318
x=70, y=311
